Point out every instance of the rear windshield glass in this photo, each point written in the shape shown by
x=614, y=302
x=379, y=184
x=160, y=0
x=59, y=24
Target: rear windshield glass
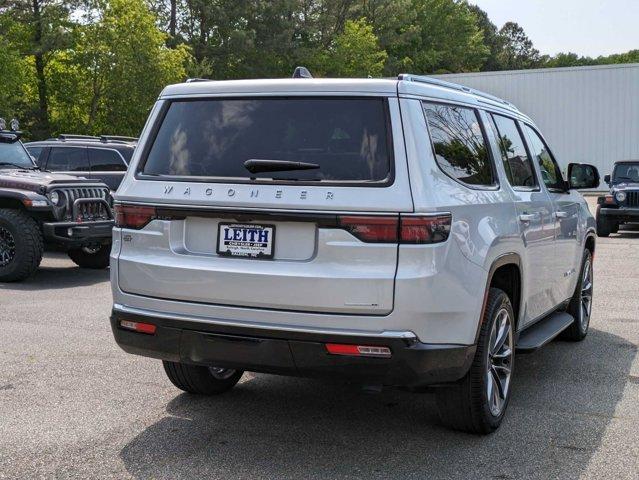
x=343, y=139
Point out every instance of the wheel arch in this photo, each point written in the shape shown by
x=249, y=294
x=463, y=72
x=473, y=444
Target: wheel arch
x=505, y=273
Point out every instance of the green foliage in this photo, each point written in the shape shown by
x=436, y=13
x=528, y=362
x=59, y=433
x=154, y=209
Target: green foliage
x=97, y=66
x=518, y=51
x=355, y=52
x=119, y=65
x=442, y=36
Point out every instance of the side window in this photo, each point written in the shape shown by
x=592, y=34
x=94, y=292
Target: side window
x=460, y=147
x=68, y=159
x=550, y=172
x=35, y=152
x=519, y=168
x=103, y=160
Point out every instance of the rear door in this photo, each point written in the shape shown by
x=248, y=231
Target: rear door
x=107, y=165
x=566, y=216
x=317, y=239
x=535, y=215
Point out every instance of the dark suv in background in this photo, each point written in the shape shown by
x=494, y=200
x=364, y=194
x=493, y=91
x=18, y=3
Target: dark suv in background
x=621, y=205
x=103, y=158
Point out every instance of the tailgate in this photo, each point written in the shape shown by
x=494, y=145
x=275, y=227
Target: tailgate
x=314, y=267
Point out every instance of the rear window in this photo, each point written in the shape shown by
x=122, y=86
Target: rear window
x=347, y=139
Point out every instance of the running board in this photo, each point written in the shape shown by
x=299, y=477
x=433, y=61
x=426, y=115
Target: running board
x=543, y=332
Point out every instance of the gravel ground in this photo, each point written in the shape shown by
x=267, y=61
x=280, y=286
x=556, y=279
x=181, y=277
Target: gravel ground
x=73, y=405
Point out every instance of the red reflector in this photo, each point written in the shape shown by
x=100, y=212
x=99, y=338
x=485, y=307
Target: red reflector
x=133, y=216
x=358, y=350
x=609, y=199
x=426, y=229
x=138, y=326
x=371, y=229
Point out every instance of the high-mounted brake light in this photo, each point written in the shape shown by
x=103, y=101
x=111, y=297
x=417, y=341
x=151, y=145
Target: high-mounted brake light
x=358, y=350
x=133, y=216
x=406, y=229
x=139, y=327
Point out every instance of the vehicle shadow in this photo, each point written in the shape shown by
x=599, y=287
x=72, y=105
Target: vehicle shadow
x=273, y=427
x=57, y=272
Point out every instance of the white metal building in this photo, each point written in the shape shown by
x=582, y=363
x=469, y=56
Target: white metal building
x=587, y=114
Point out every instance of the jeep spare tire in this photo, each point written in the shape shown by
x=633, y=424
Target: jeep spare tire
x=21, y=245
x=95, y=257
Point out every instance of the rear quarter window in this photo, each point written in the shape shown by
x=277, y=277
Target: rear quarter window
x=460, y=147
x=347, y=138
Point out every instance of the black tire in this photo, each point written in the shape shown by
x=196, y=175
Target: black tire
x=466, y=405
x=604, y=228
x=85, y=258
x=201, y=380
x=22, y=238
x=581, y=312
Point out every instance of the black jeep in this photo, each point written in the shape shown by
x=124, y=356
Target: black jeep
x=621, y=205
x=39, y=209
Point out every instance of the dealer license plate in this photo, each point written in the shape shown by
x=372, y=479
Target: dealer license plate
x=246, y=240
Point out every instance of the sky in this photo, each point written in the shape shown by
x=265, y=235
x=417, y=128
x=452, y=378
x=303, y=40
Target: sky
x=586, y=27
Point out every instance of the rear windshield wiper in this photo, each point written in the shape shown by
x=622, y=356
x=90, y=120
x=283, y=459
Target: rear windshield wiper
x=256, y=165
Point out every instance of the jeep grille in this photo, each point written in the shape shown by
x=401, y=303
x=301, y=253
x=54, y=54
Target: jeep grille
x=85, y=210
x=632, y=199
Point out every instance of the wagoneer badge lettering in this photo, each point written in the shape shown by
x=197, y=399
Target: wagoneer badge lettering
x=253, y=193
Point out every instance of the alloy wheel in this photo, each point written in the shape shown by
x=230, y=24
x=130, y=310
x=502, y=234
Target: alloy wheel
x=500, y=362
x=221, y=373
x=7, y=247
x=586, y=295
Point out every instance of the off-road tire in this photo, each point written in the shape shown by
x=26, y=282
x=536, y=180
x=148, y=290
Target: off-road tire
x=464, y=405
x=198, y=379
x=96, y=261
x=28, y=245
x=578, y=329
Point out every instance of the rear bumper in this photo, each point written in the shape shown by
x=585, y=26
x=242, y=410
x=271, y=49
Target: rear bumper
x=294, y=353
x=78, y=234
x=620, y=214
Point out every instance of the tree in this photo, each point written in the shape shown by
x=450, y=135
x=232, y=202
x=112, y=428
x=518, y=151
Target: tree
x=13, y=71
x=108, y=82
x=440, y=36
x=518, y=52
x=355, y=52
x=492, y=39
x=44, y=29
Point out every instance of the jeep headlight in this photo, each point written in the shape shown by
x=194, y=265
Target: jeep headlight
x=55, y=198
x=620, y=196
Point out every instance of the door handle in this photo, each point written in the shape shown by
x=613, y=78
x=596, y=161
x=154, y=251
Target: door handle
x=528, y=217
x=561, y=214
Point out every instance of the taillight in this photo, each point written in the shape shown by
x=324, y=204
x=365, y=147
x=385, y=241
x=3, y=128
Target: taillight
x=426, y=229
x=371, y=229
x=133, y=216
x=395, y=229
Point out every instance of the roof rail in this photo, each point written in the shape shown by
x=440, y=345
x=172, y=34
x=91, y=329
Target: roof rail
x=117, y=138
x=193, y=80
x=453, y=86
x=67, y=136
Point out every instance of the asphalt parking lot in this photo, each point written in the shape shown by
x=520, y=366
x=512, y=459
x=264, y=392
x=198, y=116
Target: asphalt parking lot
x=73, y=405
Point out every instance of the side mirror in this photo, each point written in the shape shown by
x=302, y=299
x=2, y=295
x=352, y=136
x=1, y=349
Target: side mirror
x=607, y=179
x=582, y=175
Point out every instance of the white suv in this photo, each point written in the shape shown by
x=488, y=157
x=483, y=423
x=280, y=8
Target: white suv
x=405, y=232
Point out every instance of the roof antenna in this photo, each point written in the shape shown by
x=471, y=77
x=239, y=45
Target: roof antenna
x=302, y=72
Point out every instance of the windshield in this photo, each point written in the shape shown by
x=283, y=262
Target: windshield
x=298, y=139
x=14, y=155
x=626, y=173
